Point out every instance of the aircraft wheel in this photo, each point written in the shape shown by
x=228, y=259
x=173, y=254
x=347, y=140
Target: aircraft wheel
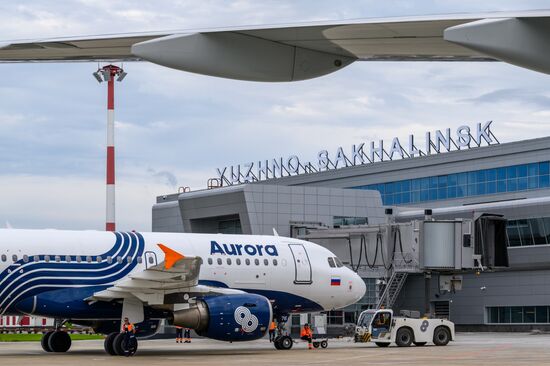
x=117, y=344
x=324, y=344
x=44, y=341
x=130, y=347
x=316, y=344
x=59, y=342
x=108, y=344
x=286, y=342
x=277, y=343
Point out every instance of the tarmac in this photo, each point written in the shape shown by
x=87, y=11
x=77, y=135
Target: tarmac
x=469, y=349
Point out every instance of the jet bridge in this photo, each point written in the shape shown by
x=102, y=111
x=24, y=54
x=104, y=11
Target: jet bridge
x=390, y=251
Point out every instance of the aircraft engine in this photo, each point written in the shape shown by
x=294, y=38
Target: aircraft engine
x=227, y=318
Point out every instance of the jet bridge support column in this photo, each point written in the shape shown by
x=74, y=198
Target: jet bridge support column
x=427, y=292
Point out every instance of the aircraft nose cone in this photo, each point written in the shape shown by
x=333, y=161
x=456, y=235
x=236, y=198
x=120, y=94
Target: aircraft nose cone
x=359, y=287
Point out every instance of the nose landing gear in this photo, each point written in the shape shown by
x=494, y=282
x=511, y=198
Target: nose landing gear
x=56, y=341
x=282, y=340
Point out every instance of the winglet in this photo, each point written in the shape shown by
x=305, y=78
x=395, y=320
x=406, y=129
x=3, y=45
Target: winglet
x=170, y=256
x=275, y=233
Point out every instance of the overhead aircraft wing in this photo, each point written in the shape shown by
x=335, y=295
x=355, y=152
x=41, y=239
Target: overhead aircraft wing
x=303, y=51
x=175, y=280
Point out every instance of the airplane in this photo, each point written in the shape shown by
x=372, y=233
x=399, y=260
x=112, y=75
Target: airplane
x=225, y=287
x=293, y=52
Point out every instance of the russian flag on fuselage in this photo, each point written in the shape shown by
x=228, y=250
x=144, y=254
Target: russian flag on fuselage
x=335, y=281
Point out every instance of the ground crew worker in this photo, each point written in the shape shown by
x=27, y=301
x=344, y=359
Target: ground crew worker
x=179, y=334
x=187, y=335
x=307, y=335
x=128, y=329
x=272, y=327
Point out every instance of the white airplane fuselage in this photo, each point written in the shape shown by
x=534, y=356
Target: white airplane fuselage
x=295, y=275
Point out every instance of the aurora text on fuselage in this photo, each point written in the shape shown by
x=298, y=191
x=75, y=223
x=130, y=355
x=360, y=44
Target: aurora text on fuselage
x=241, y=249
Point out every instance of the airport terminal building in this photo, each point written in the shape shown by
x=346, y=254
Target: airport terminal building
x=508, y=179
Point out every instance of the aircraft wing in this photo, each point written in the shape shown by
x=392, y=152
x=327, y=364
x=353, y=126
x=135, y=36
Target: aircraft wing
x=176, y=278
x=303, y=51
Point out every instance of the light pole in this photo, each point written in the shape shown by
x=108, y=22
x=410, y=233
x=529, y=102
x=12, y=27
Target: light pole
x=108, y=73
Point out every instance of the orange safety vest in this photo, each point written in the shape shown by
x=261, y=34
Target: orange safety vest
x=272, y=326
x=128, y=328
x=306, y=332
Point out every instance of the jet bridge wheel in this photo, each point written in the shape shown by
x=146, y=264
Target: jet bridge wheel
x=44, y=341
x=59, y=342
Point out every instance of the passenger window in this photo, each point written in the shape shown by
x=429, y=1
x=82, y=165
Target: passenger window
x=140, y=260
x=57, y=259
x=26, y=258
x=210, y=261
x=152, y=260
x=274, y=262
x=238, y=260
x=229, y=261
x=331, y=262
x=78, y=259
x=247, y=261
x=338, y=262
x=14, y=257
x=89, y=259
x=266, y=262
x=129, y=259
x=257, y=261
x=219, y=261
x=110, y=259
x=119, y=260
x=4, y=258
x=47, y=258
x=68, y=258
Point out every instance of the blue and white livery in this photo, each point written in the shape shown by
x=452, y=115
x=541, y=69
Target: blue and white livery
x=226, y=287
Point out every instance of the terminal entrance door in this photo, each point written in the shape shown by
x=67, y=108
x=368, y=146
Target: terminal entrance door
x=301, y=264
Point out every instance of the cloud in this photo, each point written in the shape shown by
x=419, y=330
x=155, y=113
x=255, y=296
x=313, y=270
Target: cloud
x=175, y=128
x=515, y=96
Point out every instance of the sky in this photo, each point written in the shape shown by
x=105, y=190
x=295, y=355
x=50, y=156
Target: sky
x=175, y=128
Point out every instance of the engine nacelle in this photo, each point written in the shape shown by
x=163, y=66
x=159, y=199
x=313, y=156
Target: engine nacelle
x=227, y=318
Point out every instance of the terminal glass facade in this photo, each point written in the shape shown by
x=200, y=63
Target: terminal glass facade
x=527, y=232
x=518, y=314
x=467, y=184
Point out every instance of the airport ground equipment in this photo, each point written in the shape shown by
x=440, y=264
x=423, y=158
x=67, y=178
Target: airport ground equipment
x=383, y=328
x=318, y=323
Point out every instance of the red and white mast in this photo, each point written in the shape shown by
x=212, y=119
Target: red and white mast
x=108, y=74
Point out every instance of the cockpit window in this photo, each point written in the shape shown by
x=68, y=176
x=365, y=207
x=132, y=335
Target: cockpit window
x=338, y=262
x=331, y=262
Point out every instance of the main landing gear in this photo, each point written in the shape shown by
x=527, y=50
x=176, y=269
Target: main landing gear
x=56, y=341
x=115, y=345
